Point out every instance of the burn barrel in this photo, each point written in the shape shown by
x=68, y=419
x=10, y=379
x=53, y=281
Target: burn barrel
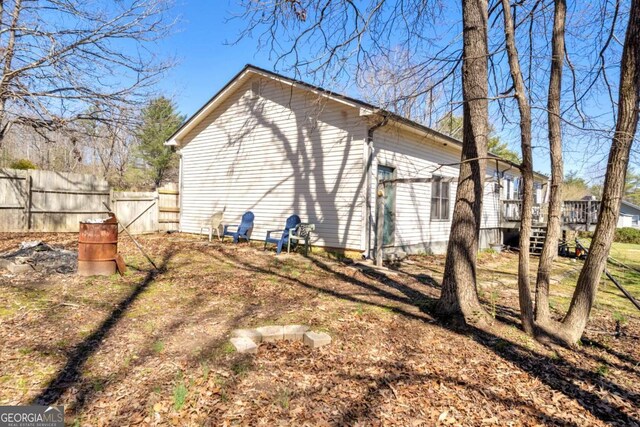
x=97, y=247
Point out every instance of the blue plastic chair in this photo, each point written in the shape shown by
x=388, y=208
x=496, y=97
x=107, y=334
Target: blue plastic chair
x=242, y=231
x=291, y=224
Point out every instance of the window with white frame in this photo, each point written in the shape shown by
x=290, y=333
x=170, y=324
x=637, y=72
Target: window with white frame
x=440, y=199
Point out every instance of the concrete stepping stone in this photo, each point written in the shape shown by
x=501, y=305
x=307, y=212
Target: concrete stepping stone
x=316, y=339
x=21, y=268
x=271, y=333
x=294, y=332
x=252, y=334
x=244, y=345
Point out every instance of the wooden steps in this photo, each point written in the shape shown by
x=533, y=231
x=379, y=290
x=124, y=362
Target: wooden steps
x=538, y=236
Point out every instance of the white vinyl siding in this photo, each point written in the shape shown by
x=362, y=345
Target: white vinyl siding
x=421, y=157
x=413, y=156
x=491, y=203
x=278, y=150
x=276, y=154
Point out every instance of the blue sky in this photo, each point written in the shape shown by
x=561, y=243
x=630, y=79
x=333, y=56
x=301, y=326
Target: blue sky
x=206, y=62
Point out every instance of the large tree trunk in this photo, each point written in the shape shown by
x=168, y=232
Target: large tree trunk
x=613, y=190
x=526, y=169
x=550, y=248
x=459, y=287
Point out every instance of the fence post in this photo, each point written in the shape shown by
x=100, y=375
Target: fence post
x=157, y=218
x=112, y=201
x=27, y=203
x=379, y=223
x=588, y=219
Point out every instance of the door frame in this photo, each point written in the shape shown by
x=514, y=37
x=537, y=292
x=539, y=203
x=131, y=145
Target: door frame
x=394, y=170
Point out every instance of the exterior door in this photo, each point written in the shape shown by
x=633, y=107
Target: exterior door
x=386, y=172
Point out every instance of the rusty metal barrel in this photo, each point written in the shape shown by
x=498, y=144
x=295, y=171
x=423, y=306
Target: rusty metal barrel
x=97, y=247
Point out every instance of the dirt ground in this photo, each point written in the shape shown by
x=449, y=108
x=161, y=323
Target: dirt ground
x=152, y=348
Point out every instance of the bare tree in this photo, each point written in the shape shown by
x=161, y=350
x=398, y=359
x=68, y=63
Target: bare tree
x=395, y=85
x=109, y=142
x=626, y=126
x=459, y=287
x=60, y=57
x=343, y=41
x=550, y=247
x=526, y=169
x=341, y=44
x=335, y=40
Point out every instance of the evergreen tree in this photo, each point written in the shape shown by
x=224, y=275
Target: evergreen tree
x=159, y=121
x=452, y=125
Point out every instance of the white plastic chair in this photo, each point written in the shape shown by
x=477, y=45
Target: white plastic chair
x=214, y=222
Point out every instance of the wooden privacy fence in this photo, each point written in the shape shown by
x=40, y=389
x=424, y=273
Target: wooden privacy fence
x=48, y=201
x=147, y=212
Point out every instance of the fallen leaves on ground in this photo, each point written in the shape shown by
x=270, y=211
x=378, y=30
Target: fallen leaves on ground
x=152, y=348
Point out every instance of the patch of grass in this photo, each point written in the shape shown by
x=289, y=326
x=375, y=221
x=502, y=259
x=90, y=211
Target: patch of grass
x=602, y=369
x=283, y=398
x=62, y=343
x=493, y=300
x=219, y=380
x=228, y=348
x=179, y=395
x=241, y=367
x=129, y=359
x=21, y=383
x=25, y=350
x=98, y=384
x=205, y=371
x=619, y=317
x=158, y=347
x=384, y=310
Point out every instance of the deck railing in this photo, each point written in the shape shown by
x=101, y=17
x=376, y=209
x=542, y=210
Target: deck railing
x=580, y=211
x=511, y=211
x=573, y=211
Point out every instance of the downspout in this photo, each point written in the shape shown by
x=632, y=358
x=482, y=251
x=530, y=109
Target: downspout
x=369, y=219
x=180, y=191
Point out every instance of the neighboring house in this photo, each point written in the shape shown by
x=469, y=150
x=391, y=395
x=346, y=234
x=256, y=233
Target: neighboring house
x=276, y=146
x=583, y=214
x=629, y=215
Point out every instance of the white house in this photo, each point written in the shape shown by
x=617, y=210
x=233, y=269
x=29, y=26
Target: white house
x=277, y=146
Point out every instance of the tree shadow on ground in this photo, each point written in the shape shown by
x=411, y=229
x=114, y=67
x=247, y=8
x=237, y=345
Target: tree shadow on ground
x=373, y=397
x=557, y=374
x=71, y=373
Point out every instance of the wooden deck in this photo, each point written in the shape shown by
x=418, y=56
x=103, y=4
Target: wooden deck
x=579, y=215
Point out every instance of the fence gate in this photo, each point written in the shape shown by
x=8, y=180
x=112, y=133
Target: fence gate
x=138, y=211
x=147, y=212
x=168, y=207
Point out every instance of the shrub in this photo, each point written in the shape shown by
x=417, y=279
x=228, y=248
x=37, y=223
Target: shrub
x=585, y=234
x=23, y=164
x=627, y=235
x=623, y=235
